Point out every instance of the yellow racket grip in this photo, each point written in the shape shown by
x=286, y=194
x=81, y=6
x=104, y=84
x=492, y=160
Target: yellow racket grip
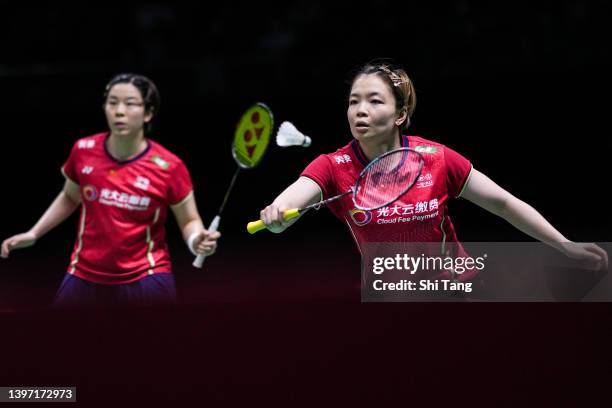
x=256, y=226
x=290, y=214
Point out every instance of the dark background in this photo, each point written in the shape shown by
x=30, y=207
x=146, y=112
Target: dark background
x=522, y=91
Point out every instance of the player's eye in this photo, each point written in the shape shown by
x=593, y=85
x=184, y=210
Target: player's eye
x=353, y=102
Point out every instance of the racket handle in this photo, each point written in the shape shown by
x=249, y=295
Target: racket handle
x=214, y=225
x=291, y=214
x=259, y=225
x=255, y=226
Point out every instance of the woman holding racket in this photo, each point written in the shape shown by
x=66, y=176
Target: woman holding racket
x=381, y=102
x=124, y=184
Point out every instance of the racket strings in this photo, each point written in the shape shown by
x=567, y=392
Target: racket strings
x=387, y=178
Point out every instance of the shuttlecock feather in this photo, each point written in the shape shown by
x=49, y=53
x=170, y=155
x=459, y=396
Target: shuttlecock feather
x=288, y=135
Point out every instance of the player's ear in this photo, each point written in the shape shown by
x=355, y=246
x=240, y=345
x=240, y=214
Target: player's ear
x=402, y=116
x=148, y=116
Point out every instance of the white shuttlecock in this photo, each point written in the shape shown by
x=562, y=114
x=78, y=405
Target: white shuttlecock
x=288, y=135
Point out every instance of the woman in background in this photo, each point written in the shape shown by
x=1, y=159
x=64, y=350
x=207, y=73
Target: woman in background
x=124, y=183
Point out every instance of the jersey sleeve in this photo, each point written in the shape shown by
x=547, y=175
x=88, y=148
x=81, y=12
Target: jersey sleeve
x=458, y=170
x=69, y=169
x=320, y=171
x=180, y=184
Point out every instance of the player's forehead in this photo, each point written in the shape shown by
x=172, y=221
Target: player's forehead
x=370, y=84
x=124, y=91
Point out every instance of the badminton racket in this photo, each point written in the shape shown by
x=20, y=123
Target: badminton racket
x=251, y=140
x=381, y=182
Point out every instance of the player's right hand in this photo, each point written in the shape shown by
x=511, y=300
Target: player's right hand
x=274, y=218
x=23, y=240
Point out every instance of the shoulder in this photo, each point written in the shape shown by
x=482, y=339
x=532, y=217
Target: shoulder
x=163, y=157
x=419, y=143
x=345, y=154
x=90, y=142
x=328, y=163
x=89, y=147
x=456, y=166
x=430, y=147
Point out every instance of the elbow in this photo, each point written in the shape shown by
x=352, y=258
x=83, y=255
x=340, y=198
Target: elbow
x=507, y=207
x=75, y=201
x=502, y=206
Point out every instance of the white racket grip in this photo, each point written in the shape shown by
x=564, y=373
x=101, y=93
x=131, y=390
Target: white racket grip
x=214, y=225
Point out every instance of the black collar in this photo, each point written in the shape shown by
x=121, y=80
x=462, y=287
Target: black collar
x=362, y=157
x=133, y=159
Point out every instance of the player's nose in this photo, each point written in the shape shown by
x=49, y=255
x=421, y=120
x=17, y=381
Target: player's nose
x=120, y=109
x=361, y=110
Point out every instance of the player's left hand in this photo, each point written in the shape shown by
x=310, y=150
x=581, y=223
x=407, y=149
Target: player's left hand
x=594, y=257
x=205, y=243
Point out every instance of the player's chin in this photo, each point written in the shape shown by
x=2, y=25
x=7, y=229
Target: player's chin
x=121, y=131
x=362, y=135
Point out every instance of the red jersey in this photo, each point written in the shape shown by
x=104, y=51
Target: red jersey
x=420, y=215
x=121, y=233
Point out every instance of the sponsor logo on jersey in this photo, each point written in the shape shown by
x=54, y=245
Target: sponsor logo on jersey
x=419, y=211
x=86, y=144
x=160, y=162
x=124, y=200
x=90, y=193
x=425, y=180
x=342, y=158
x=426, y=149
x=142, y=183
x=87, y=170
x=360, y=217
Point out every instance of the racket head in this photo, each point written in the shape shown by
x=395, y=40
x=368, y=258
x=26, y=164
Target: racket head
x=252, y=135
x=387, y=178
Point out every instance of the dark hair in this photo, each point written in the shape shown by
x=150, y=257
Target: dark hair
x=148, y=91
x=399, y=82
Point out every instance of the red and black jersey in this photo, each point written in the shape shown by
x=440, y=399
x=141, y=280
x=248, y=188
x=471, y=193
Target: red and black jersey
x=420, y=215
x=121, y=233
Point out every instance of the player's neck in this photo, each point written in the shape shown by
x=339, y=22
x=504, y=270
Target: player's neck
x=126, y=147
x=374, y=148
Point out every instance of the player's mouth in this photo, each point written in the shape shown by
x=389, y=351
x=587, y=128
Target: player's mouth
x=120, y=125
x=362, y=126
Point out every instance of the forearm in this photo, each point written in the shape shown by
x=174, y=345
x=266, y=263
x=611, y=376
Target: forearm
x=525, y=218
x=301, y=193
x=482, y=191
x=58, y=211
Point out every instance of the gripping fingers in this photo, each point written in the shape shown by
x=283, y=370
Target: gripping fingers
x=206, y=249
x=269, y=216
x=601, y=254
x=208, y=244
x=6, y=248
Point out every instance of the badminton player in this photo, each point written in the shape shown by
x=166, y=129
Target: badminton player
x=381, y=102
x=124, y=183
